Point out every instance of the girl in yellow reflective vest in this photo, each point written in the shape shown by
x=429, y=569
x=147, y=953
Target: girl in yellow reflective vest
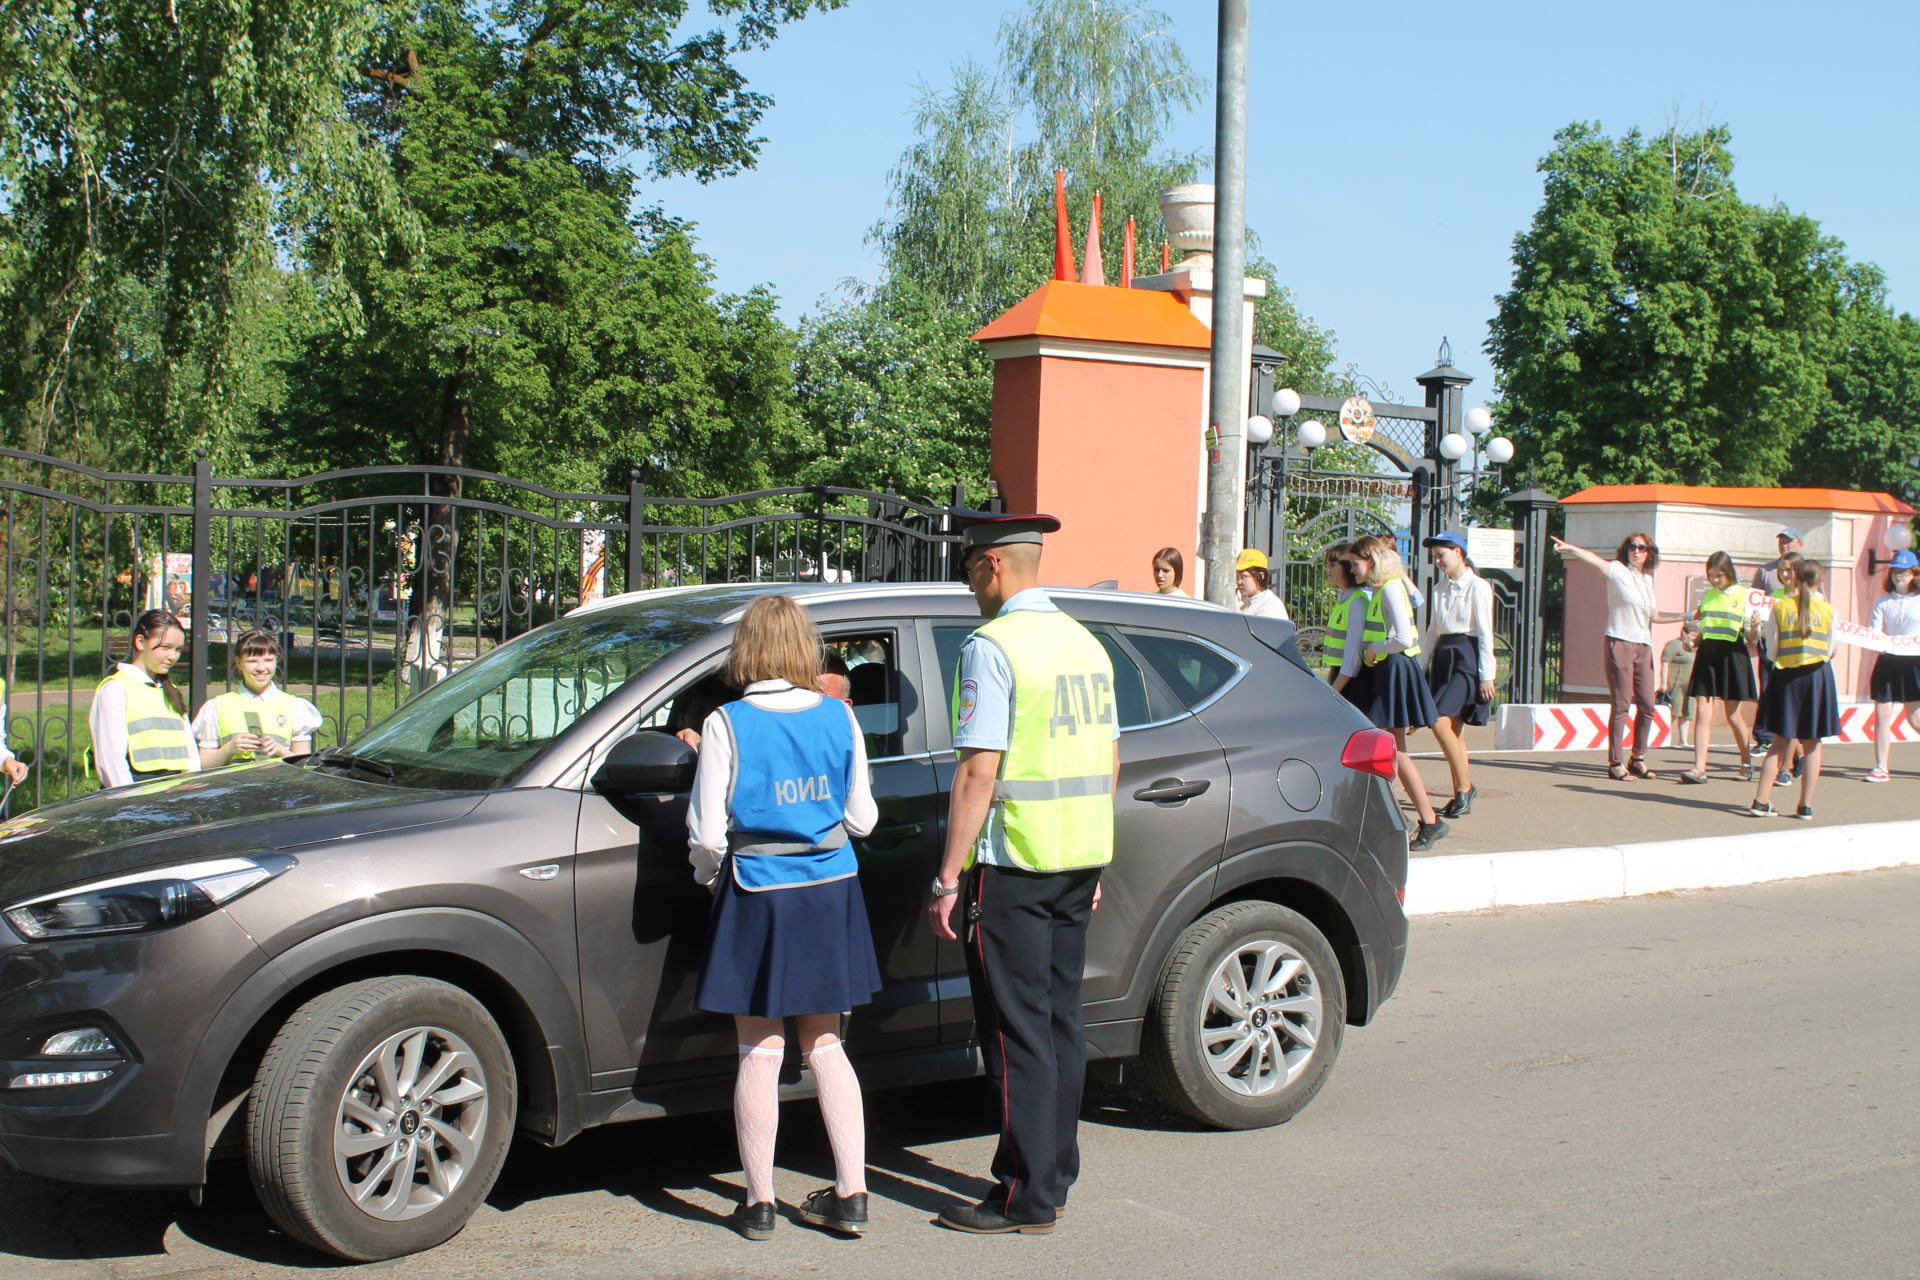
x=259, y=718
x=1722, y=679
x=1800, y=703
x=138, y=719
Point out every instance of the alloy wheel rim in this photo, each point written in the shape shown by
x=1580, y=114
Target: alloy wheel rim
x=1261, y=1020
x=410, y=1124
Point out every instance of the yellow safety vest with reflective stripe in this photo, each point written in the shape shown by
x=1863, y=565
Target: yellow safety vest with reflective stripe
x=1376, y=628
x=157, y=737
x=1723, y=614
x=1333, y=645
x=270, y=715
x=1798, y=650
x=1054, y=792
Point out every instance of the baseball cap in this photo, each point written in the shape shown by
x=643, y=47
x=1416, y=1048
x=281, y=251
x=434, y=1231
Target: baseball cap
x=1447, y=538
x=1790, y=534
x=1251, y=558
x=1904, y=560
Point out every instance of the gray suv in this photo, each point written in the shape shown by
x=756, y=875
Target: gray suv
x=365, y=970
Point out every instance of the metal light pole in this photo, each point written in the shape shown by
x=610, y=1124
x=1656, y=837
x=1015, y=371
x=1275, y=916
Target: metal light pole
x=1227, y=403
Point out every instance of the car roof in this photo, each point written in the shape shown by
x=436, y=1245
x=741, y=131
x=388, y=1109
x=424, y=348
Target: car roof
x=729, y=599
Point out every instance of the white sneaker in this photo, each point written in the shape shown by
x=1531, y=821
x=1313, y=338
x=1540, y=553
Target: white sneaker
x=1878, y=774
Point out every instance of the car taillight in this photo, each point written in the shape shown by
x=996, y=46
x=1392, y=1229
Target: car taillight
x=1370, y=751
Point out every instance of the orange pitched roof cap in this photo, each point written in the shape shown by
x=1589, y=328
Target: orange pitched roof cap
x=1704, y=495
x=1100, y=313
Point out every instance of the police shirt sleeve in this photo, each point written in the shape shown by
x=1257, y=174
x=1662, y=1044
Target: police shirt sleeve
x=984, y=720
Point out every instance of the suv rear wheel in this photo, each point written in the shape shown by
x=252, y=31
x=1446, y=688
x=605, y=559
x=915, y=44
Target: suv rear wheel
x=380, y=1116
x=1246, y=1024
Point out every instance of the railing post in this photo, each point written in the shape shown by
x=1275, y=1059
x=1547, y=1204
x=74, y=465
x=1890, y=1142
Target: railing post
x=636, y=513
x=199, y=591
x=1533, y=507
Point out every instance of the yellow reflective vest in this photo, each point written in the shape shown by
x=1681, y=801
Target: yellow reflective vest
x=157, y=737
x=271, y=715
x=1377, y=629
x=1723, y=614
x=1054, y=792
x=1797, y=650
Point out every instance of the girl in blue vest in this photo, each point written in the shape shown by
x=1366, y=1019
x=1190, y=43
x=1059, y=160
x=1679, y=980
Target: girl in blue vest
x=1397, y=695
x=138, y=718
x=1722, y=668
x=781, y=787
x=1800, y=704
x=1894, y=685
x=259, y=718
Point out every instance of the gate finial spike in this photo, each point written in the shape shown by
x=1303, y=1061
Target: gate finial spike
x=1062, y=238
x=1094, y=269
x=1445, y=357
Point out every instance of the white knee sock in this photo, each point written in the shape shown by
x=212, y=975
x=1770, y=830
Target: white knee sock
x=844, y=1115
x=756, y=1116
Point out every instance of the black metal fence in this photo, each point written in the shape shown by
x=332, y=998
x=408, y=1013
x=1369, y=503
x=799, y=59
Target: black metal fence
x=376, y=580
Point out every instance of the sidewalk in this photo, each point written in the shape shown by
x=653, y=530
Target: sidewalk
x=1552, y=827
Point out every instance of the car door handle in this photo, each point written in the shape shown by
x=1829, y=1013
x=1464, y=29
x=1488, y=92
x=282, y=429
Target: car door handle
x=1164, y=790
x=892, y=837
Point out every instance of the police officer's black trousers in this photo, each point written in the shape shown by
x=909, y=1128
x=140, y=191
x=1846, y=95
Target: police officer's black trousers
x=1025, y=957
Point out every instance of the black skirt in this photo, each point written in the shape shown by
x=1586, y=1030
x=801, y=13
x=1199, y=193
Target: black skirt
x=1895, y=678
x=1723, y=669
x=1397, y=694
x=784, y=952
x=1800, y=702
x=1453, y=677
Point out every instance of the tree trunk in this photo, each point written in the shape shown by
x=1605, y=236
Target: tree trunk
x=426, y=657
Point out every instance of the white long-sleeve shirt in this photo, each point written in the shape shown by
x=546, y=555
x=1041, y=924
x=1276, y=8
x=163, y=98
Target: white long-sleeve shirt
x=1264, y=604
x=1463, y=606
x=107, y=721
x=707, y=818
x=1897, y=615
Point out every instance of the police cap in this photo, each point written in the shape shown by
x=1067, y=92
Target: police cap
x=989, y=529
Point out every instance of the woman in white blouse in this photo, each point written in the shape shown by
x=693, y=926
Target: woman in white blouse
x=1458, y=642
x=1895, y=683
x=1630, y=619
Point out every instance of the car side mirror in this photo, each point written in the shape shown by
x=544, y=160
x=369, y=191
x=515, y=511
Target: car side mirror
x=646, y=761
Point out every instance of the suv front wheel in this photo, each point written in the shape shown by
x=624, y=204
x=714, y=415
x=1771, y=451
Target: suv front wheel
x=380, y=1116
x=1246, y=1023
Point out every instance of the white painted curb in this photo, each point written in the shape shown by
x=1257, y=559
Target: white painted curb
x=1525, y=877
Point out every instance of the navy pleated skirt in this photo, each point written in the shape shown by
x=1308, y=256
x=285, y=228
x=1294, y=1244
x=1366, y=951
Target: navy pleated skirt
x=1722, y=669
x=1800, y=702
x=1398, y=697
x=784, y=952
x=1453, y=677
x=1895, y=678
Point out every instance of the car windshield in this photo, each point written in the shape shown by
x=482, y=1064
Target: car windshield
x=479, y=727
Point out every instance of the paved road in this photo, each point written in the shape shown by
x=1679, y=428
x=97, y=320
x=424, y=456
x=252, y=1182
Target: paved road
x=1713, y=1084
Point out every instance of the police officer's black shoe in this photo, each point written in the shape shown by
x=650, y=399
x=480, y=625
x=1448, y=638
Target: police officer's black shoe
x=845, y=1214
x=978, y=1220
x=754, y=1221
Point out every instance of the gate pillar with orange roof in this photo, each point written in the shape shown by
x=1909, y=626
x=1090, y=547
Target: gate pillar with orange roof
x=1099, y=402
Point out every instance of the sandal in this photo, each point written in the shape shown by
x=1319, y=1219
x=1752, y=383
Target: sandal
x=1694, y=776
x=1746, y=773
x=1618, y=772
x=1638, y=768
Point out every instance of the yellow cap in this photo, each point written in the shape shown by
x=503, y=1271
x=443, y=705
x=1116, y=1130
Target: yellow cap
x=1250, y=559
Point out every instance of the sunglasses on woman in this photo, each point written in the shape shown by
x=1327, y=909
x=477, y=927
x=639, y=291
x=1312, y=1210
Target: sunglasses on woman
x=1638, y=546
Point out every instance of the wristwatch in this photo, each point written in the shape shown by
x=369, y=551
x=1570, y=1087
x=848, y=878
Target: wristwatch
x=942, y=891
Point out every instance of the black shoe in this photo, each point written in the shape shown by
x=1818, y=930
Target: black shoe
x=1461, y=805
x=754, y=1221
x=845, y=1214
x=978, y=1220
x=1804, y=813
x=1430, y=834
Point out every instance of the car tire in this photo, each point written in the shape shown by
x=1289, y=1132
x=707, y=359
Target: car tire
x=380, y=1116
x=1245, y=1024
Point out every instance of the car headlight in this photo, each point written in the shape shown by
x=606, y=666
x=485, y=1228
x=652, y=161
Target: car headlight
x=145, y=900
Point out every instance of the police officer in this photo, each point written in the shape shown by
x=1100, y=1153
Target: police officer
x=1032, y=815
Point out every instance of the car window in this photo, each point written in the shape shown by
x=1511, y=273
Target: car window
x=1193, y=671
x=881, y=694
x=1129, y=686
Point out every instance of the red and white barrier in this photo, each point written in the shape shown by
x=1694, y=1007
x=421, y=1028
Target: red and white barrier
x=1582, y=726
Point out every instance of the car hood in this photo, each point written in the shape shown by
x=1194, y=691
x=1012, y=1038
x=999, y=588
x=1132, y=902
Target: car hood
x=243, y=809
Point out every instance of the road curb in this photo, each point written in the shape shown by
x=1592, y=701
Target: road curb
x=1528, y=877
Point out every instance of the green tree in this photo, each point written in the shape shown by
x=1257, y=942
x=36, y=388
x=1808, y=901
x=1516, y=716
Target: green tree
x=1866, y=434
x=888, y=378
x=1660, y=329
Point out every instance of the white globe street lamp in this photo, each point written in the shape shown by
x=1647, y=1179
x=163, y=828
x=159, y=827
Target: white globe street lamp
x=1453, y=446
x=1259, y=429
x=1286, y=402
x=1311, y=434
x=1499, y=451
x=1479, y=420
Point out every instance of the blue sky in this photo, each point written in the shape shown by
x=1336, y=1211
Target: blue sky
x=1392, y=145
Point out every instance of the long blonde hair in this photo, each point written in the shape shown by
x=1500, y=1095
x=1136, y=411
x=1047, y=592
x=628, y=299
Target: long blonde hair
x=1383, y=556
x=775, y=641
